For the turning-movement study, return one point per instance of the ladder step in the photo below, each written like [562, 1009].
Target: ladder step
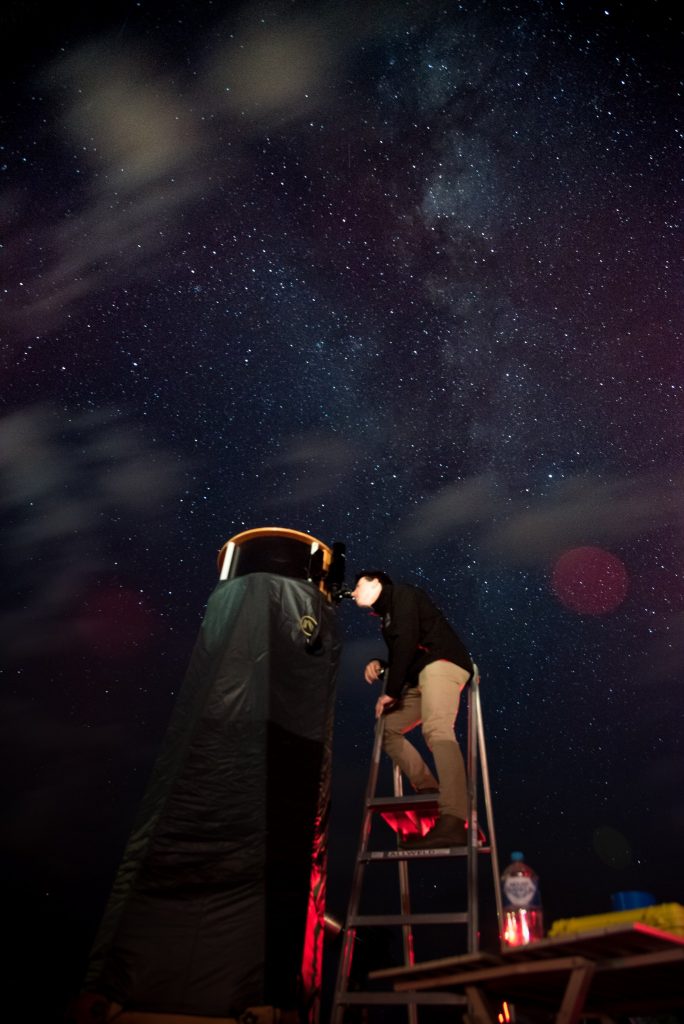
[401, 998]
[408, 854]
[444, 851]
[389, 919]
[393, 803]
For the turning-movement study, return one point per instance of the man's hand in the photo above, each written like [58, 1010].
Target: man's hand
[373, 671]
[383, 704]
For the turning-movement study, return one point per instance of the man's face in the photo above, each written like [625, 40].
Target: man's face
[366, 592]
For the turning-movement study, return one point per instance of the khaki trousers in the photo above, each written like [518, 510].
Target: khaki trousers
[434, 702]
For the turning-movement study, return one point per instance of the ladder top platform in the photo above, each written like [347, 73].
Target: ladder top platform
[413, 801]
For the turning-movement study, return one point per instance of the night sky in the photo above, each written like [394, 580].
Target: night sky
[405, 275]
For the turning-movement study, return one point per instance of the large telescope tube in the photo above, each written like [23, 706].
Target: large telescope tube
[218, 905]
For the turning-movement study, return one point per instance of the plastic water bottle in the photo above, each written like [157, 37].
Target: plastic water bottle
[522, 909]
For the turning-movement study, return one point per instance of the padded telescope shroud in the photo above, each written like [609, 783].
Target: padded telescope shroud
[218, 903]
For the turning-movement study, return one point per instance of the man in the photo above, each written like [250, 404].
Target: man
[427, 668]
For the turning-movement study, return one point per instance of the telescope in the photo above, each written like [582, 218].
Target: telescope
[218, 907]
[286, 552]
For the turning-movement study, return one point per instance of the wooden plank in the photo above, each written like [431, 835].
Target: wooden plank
[630, 963]
[480, 1009]
[575, 993]
[430, 967]
[528, 969]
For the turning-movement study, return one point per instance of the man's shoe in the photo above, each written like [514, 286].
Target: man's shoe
[449, 831]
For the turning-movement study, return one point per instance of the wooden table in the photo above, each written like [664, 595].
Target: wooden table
[611, 972]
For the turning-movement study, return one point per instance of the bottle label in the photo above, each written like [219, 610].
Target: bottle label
[520, 891]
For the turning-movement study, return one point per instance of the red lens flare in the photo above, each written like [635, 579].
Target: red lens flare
[590, 581]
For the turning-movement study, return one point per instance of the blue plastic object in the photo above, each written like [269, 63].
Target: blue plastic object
[631, 900]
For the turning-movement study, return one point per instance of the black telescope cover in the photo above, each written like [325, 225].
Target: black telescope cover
[218, 902]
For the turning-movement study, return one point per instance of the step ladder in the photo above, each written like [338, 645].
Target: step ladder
[407, 811]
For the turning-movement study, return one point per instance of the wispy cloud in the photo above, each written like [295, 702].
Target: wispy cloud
[532, 533]
[585, 511]
[459, 505]
[147, 143]
[63, 483]
[310, 465]
[140, 159]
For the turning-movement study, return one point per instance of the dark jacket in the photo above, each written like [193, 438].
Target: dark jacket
[416, 633]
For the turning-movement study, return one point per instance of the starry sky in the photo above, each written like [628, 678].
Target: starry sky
[404, 275]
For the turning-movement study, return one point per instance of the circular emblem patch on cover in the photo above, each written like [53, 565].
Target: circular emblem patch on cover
[308, 624]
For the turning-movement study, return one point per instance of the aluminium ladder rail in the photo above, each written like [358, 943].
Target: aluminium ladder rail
[477, 769]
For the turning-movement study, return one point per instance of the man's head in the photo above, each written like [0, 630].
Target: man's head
[368, 586]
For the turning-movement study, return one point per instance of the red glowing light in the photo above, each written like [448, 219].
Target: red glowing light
[312, 953]
[411, 821]
[590, 581]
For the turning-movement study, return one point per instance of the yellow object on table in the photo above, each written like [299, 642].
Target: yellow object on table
[668, 917]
